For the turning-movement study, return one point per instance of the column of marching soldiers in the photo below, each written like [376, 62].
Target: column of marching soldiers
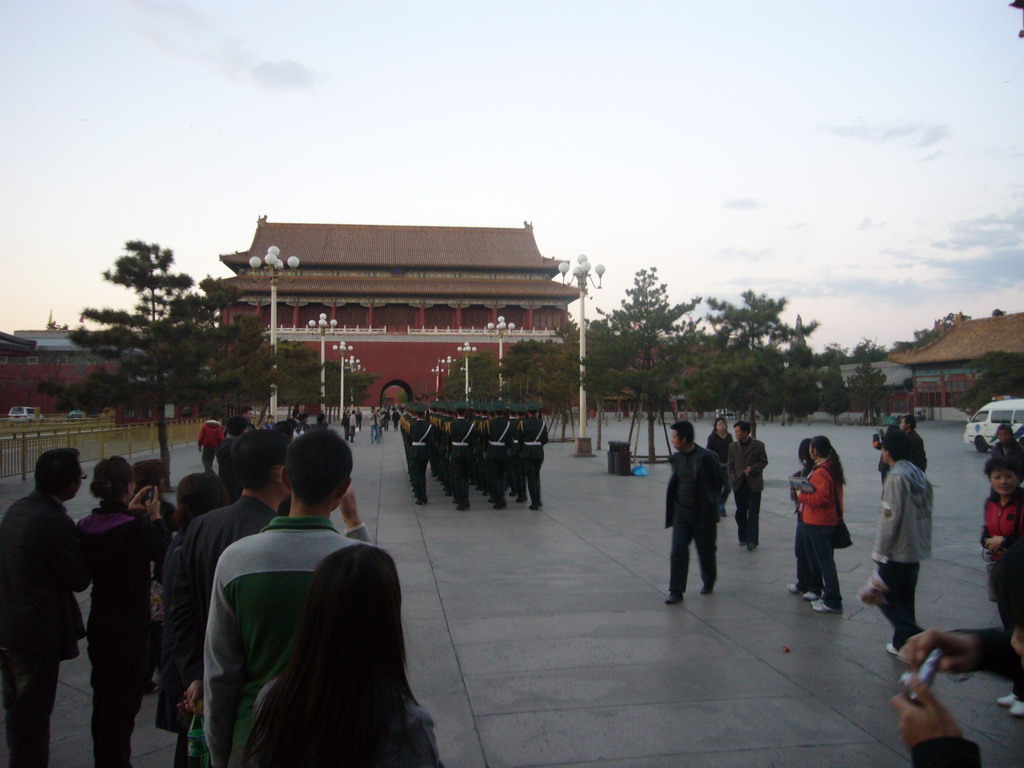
[497, 448]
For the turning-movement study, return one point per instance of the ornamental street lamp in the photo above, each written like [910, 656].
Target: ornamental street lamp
[501, 328]
[272, 266]
[465, 349]
[581, 274]
[320, 327]
[343, 348]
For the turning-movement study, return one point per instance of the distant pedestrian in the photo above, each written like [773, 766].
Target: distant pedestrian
[359, 419]
[746, 460]
[821, 510]
[211, 435]
[918, 457]
[691, 511]
[236, 427]
[808, 575]
[718, 443]
[1006, 446]
[376, 435]
[902, 540]
[41, 565]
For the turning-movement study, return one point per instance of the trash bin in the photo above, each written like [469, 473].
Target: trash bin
[624, 462]
[613, 457]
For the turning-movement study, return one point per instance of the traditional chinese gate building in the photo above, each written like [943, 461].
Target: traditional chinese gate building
[403, 296]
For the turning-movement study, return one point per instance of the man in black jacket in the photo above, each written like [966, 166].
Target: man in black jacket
[691, 510]
[918, 457]
[41, 566]
[258, 459]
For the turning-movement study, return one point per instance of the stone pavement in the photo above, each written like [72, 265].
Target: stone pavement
[541, 638]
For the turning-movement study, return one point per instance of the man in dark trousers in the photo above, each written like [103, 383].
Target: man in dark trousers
[462, 433]
[258, 458]
[918, 457]
[499, 439]
[746, 461]
[533, 434]
[691, 511]
[419, 451]
[41, 566]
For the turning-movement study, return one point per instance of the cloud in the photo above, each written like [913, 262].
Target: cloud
[913, 135]
[738, 255]
[995, 232]
[179, 31]
[742, 204]
[282, 75]
[868, 223]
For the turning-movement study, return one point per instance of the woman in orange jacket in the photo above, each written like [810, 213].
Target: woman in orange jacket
[820, 511]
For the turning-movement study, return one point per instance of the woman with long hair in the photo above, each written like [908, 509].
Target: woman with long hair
[808, 575]
[820, 511]
[197, 494]
[718, 444]
[122, 541]
[344, 698]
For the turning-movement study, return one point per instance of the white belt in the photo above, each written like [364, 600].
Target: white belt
[533, 443]
[461, 445]
[494, 443]
[419, 444]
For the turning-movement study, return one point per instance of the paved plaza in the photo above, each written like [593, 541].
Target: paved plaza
[541, 638]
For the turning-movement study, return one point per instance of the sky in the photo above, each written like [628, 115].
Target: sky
[864, 160]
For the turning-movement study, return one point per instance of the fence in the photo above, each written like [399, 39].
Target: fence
[19, 449]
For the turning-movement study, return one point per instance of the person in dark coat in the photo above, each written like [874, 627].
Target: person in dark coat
[691, 510]
[41, 567]
[236, 426]
[918, 457]
[198, 493]
[123, 540]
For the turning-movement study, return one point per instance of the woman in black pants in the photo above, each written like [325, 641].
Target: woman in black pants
[122, 539]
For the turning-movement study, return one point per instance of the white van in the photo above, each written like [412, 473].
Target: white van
[24, 413]
[980, 431]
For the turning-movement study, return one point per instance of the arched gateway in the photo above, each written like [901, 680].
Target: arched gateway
[403, 297]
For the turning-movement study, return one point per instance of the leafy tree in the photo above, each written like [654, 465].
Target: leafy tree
[867, 390]
[750, 341]
[297, 374]
[245, 365]
[997, 373]
[483, 376]
[639, 351]
[158, 352]
[869, 351]
[928, 335]
[798, 395]
[546, 371]
[835, 396]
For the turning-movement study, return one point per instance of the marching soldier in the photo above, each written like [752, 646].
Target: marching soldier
[462, 433]
[533, 435]
[516, 478]
[419, 451]
[499, 438]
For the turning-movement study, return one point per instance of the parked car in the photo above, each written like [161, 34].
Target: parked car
[76, 415]
[980, 431]
[24, 413]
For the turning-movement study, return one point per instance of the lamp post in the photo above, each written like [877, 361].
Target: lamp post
[272, 265]
[343, 348]
[501, 328]
[465, 349]
[320, 327]
[581, 274]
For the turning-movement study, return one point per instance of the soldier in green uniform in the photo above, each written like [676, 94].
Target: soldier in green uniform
[499, 438]
[533, 435]
[516, 478]
[419, 451]
[462, 433]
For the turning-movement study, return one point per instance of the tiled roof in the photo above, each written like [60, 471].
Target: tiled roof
[377, 246]
[12, 345]
[969, 340]
[407, 288]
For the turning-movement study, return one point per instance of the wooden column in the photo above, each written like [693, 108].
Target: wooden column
[458, 316]
[529, 318]
[369, 316]
[421, 316]
[295, 315]
[334, 310]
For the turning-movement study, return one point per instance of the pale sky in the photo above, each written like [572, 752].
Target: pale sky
[864, 159]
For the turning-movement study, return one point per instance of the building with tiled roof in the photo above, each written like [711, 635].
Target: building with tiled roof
[942, 369]
[404, 293]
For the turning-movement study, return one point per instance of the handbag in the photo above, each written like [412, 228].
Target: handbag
[841, 538]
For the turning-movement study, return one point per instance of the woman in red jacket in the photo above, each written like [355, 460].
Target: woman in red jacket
[1002, 529]
[819, 511]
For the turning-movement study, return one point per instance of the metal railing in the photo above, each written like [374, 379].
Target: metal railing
[20, 449]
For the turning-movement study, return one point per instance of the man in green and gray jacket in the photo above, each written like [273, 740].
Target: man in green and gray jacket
[260, 585]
